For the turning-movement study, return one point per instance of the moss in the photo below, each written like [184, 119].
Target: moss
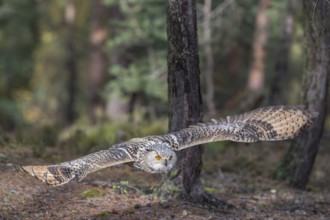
[130, 211]
[312, 188]
[103, 215]
[210, 189]
[92, 193]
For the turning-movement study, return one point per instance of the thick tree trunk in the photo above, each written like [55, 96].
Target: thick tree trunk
[299, 160]
[70, 14]
[184, 85]
[98, 59]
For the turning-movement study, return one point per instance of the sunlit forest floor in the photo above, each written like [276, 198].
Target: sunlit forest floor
[240, 174]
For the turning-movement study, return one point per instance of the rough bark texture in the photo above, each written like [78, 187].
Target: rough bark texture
[184, 85]
[71, 66]
[299, 161]
[98, 58]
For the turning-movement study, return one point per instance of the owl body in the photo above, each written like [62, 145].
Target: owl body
[157, 158]
[156, 154]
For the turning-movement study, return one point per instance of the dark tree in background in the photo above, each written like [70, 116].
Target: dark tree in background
[277, 88]
[98, 58]
[298, 162]
[70, 61]
[209, 61]
[255, 85]
[256, 76]
[184, 86]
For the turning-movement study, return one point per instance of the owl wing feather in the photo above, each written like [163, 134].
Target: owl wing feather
[77, 169]
[263, 124]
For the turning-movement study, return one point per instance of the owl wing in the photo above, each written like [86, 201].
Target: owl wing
[263, 124]
[270, 124]
[77, 169]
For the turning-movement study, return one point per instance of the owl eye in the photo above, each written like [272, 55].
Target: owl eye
[157, 157]
[170, 158]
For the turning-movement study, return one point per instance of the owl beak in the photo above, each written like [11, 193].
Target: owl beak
[165, 162]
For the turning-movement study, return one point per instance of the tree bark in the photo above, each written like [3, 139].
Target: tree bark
[70, 15]
[256, 73]
[98, 59]
[184, 95]
[299, 160]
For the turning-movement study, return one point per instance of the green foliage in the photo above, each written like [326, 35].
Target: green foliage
[33, 75]
[10, 112]
[121, 187]
[139, 40]
[18, 39]
[83, 138]
[46, 135]
[49, 81]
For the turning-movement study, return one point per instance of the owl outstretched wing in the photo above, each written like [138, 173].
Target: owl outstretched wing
[263, 124]
[77, 169]
[268, 124]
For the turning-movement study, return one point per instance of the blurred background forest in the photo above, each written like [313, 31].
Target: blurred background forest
[77, 76]
[89, 73]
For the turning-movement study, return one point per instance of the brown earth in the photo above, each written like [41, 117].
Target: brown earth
[240, 174]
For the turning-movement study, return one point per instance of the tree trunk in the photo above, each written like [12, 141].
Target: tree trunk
[256, 73]
[299, 160]
[282, 59]
[98, 59]
[70, 15]
[184, 95]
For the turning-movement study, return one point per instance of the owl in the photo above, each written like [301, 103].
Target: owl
[157, 154]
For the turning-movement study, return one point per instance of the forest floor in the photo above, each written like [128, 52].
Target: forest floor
[240, 174]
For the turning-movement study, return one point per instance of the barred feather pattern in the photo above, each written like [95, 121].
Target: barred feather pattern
[264, 124]
[79, 168]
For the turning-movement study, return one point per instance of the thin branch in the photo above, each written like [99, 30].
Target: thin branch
[220, 8]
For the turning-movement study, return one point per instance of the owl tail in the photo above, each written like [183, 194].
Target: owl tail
[54, 175]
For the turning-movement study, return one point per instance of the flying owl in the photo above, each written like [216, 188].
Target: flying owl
[156, 154]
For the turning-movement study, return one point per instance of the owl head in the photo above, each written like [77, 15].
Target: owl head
[157, 158]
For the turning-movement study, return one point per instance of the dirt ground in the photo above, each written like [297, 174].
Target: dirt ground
[240, 174]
